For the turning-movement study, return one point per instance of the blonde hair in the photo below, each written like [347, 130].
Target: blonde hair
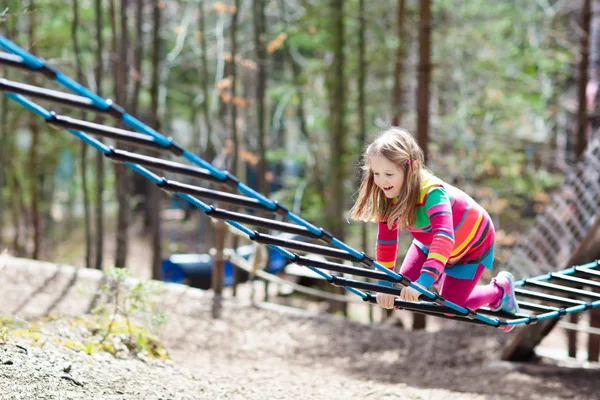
[400, 147]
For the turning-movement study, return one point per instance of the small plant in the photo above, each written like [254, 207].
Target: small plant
[127, 313]
[4, 334]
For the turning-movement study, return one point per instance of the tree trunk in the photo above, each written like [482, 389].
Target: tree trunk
[337, 109]
[5, 144]
[138, 53]
[397, 97]
[234, 85]
[337, 106]
[317, 171]
[261, 87]
[119, 65]
[582, 117]
[234, 119]
[362, 103]
[18, 213]
[424, 73]
[582, 139]
[230, 165]
[154, 191]
[99, 194]
[210, 150]
[362, 115]
[34, 156]
[3, 156]
[87, 226]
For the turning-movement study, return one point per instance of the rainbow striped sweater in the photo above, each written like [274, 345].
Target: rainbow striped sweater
[454, 232]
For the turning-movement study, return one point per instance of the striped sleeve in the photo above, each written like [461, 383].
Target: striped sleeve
[439, 210]
[386, 247]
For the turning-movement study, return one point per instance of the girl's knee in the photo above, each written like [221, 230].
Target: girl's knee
[455, 297]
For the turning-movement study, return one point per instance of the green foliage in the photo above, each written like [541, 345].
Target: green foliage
[499, 71]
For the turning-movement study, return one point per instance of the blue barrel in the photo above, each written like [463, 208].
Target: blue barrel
[195, 270]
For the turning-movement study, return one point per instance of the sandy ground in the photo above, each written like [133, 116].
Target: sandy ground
[263, 352]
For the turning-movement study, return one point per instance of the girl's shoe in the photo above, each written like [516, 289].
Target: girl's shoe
[508, 302]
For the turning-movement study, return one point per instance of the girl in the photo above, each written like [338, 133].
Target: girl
[453, 236]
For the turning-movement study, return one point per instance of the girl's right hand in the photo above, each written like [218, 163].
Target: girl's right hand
[386, 300]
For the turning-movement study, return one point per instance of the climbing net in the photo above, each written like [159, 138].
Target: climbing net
[276, 217]
[564, 222]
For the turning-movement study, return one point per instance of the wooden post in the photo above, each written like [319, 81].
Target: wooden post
[218, 273]
[594, 340]
[572, 337]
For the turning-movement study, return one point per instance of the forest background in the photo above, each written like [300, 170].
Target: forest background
[500, 95]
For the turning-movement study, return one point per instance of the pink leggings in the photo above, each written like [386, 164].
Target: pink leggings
[463, 292]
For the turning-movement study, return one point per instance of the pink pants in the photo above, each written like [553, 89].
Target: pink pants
[463, 292]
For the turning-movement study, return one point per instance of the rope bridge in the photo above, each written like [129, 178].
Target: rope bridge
[537, 295]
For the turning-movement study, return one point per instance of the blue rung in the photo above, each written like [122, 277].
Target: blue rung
[98, 101]
[143, 128]
[91, 141]
[30, 105]
[27, 58]
[205, 164]
[147, 173]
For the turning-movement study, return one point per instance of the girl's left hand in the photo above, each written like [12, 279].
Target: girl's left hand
[410, 294]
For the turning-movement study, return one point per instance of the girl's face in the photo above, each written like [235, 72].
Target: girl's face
[387, 175]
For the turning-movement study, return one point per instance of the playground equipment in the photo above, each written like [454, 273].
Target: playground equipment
[544, 297]
[196, 269]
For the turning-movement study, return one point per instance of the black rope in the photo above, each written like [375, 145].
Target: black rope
[13, 60]
[306, 247]
[158, 163]
[575, 280]
[47, 94]
[262, 222]
[432, 310]
[562, 289]
[587, 271]
[230, 198]
[548, 297]
[117, 134]
[357, 271]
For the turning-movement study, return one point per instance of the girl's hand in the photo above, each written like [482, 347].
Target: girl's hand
[386, 300]
[409, 294]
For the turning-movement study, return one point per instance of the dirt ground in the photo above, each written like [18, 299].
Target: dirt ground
[262, 352]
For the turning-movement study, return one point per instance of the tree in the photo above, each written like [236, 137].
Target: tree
[337, 109]
[424, 75]
[261, 86]
[336, 86]
[153, 191]
[210, 150]
[397, 97]
[34, 156]
[317, 169]
[122, 178]
[99, 167]
[423, 98]
[582, 118]
[87, 224]
[138, 55]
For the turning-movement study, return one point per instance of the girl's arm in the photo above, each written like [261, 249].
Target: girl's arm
[386, 247]
[439, 210]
